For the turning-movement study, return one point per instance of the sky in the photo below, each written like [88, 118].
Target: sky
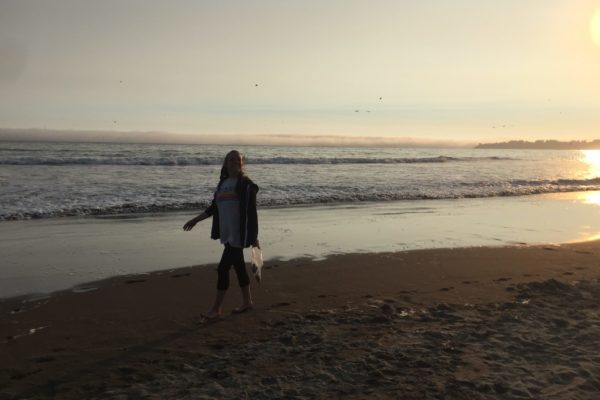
[430, 70]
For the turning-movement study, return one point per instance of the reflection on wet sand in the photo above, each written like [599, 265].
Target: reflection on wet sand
[589, 197]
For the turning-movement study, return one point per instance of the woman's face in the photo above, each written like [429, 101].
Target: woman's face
[234, 164]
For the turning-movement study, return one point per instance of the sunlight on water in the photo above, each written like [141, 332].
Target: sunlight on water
[592, 159]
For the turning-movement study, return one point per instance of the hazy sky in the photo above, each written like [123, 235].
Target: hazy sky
[480, 70]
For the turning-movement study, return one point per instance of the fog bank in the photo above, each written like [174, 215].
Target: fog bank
[181, 138]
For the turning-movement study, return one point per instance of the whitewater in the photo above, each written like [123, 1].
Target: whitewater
[44, 180]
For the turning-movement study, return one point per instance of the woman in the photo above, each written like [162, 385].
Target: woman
[235, 222]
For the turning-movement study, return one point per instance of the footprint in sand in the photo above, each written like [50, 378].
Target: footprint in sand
[560, 323]
[550, 248]
[322, 296]
[502, 279]
[218, 375]
[446, 289]
[282, 304]
[126, 370]
[131, 281]
[217, 346]
[20, 375]
[43, 359]
[181, 275]
[568, 273]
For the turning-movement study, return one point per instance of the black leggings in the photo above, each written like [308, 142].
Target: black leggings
[232, 256]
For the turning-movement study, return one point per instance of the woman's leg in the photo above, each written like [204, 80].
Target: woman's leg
[247, 303]
[216, 310]
[227, 260]
[244, 281]
[222, 282]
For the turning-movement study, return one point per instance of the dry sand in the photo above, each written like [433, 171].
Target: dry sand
[474, 323]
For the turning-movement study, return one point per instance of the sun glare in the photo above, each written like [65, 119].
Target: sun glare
[592, 159]
[595, 27]
[590, 198]
[594, 199]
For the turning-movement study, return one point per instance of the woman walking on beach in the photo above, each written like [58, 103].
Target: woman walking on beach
[235, 223]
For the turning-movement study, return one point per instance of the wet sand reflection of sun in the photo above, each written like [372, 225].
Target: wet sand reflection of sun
[590, 197]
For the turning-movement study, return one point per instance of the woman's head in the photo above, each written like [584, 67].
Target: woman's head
[233, 165]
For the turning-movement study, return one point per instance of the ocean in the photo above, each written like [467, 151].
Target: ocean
[46, 180]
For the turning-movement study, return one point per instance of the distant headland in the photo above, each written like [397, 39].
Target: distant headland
[543, 144]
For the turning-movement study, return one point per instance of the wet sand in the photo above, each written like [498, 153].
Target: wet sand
[41, 256]
[471, 323]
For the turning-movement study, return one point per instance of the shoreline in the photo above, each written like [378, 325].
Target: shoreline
[44, 256]
[269, 264]
[512, 321]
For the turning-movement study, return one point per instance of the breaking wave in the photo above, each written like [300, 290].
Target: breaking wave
[267, 199]
[185, 161]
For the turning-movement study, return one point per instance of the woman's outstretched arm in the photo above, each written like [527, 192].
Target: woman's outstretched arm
[192, 222]
[207, 213]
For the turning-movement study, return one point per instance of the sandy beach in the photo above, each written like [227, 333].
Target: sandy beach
[517, 322]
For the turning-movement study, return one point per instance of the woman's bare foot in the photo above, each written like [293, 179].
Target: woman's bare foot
[243, 308]
[213, 314]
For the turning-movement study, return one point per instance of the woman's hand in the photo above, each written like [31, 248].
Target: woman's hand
[190, 224]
